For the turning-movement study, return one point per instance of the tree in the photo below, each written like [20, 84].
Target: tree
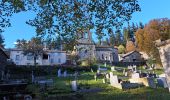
[20, 43]
[121, 49]
[118, 38]
[34, 48]
[2, 40]
[130, 46]
[70, 18]
[154, 30]
[67, 18]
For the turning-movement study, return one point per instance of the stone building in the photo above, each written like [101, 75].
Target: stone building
[164, 51]
[86, 49]
[133, 56]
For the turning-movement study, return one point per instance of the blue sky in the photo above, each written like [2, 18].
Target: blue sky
[151, 9]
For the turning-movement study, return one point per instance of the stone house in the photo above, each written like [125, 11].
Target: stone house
[133, 56]
[49, 57]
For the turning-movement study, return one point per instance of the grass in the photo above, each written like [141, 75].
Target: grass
[62, 90]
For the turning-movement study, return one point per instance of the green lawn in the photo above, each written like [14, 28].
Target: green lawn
[62, 90]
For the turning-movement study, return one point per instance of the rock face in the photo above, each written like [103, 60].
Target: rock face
[164, 51]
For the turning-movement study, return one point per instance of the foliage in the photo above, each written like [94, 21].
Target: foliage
[130, 46]
[154, 30]
[20, 43]
[121, 49]
[34, 48]
[2, 40]
[67, 18]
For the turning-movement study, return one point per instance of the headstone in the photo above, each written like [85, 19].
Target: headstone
[112, 68]
[95, 77]
[134, 67]
[104, 80]
[113, 79]
[59, 73]
[105, 65]
[135, 75]
[107, 76]
[151, 83]
[92, 70]
[65, 73]
[126, 73]
[74, 85]
[162, 82]
[124, 70]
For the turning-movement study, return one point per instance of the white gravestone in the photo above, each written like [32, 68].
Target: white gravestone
[113, 68]
[74, 85]
[113, 79]
[59, 73]
[135, 75]
[65, 73]
[107, 76]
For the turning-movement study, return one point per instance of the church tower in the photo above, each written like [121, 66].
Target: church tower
[85, 46]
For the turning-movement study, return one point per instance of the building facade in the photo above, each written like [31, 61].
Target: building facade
[133, 56]
[87, 49]
[49, 57]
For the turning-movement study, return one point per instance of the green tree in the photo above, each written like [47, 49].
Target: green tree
[121, 49]
[154, 30]
[34, 48]
[2, 40]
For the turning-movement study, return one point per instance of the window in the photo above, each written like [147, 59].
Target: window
[17, 57]
[52, 61]
[59, 60]
[45, 56]
[29, 57]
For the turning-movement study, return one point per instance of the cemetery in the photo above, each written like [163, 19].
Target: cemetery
[109, 82]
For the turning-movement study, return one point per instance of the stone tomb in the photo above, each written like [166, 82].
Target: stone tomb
[114, 81]
[162, 82]
[146, 81]
[135, 75]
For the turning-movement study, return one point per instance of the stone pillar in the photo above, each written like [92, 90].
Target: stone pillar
[164, 52]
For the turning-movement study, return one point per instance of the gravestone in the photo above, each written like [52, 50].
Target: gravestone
[59, 73]
[162, 82]
[65, 73]
[124, 70]
[104, 80]
[126, 73]
[134, 68]
[113, 68]
[95, 77]
[135, 75]
[74, 85]
[151, 83]
[113, 79]
[107, 76]
[105, 65]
